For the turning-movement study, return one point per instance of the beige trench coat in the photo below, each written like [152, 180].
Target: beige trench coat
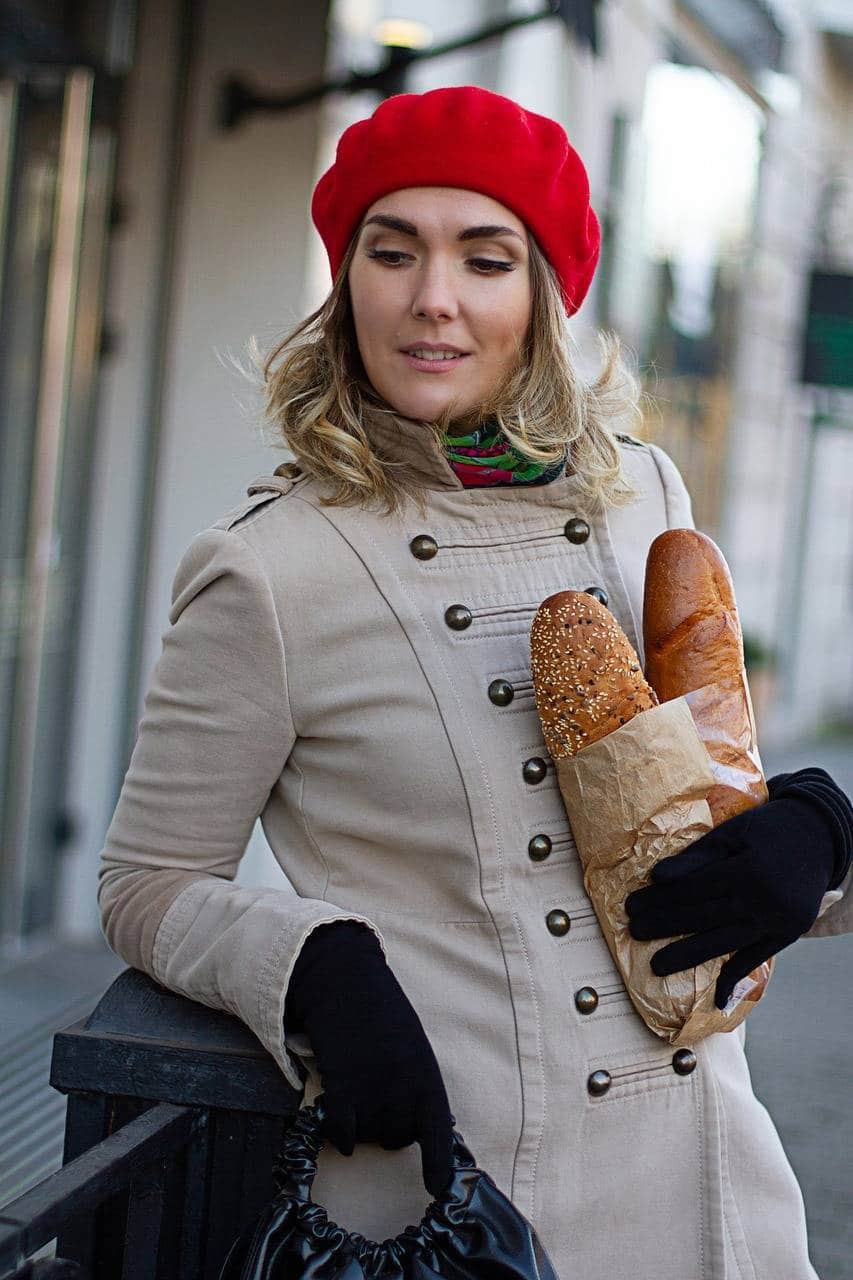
[309, 676]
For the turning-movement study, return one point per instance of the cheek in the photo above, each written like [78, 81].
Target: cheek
[509, 323]
[509, 336]
[373, 316]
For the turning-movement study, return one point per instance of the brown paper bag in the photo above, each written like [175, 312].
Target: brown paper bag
[634, 797]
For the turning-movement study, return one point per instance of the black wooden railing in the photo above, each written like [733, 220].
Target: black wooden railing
[175, 1115]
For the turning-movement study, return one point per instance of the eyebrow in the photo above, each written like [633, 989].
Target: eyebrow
[470, 233]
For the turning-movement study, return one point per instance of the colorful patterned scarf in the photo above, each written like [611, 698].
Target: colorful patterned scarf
[486, 457]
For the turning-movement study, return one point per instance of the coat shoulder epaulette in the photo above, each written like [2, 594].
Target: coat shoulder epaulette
[263, 491]
[626, 439]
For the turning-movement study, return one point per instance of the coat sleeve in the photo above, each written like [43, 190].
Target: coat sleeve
[679, 509]
[836, 908]
[214, 737]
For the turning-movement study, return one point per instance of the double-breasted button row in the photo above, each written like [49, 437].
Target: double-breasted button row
[501, 693]
[558, 922]
[534, 770]
[424, 545]
[599, 1082]
[538, 847]
[458, 617]
[586, 1000]
[683, 1063]
[576, 530]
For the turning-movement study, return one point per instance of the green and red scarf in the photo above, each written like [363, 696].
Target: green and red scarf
[486, 457]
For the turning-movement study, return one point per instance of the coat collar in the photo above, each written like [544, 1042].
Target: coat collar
[404, 440]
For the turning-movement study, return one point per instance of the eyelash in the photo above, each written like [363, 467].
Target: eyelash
[385, 254]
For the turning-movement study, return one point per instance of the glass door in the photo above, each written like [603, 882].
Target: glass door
[55, 188]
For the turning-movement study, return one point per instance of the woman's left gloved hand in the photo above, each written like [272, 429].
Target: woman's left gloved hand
[752, 885]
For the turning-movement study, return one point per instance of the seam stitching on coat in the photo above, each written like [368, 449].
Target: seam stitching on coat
[698, 1105]
[519, 931]
[727, 1180]
[306, 824]
[278, 627]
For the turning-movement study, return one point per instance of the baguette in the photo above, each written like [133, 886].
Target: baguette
[693, 640]
[691, 629]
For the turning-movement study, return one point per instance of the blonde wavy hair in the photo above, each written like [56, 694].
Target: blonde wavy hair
[319, 401]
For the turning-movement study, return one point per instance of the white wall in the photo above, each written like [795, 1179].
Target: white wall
[239, 270]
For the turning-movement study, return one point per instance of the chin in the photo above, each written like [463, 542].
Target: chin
[418, 405]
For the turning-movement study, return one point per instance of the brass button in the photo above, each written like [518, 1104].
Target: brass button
[598, 1083]
[291, 470]
[586, 1000]
[501, 693]
[576, 530]
[599, 593]
[423, 547]
[534, 770]
[539, 848]
[458, 617]
[558, 922]
[683, 1062]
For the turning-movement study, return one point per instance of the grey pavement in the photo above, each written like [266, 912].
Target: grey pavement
[50, 988]
[799, 1043]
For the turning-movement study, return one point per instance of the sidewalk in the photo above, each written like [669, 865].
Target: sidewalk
[799, 1043]
[38, 995]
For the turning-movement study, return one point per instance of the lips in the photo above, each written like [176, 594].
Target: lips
[434, 366]
[434, 348]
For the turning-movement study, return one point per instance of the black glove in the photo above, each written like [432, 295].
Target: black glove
[380, 1076]
[752, 885]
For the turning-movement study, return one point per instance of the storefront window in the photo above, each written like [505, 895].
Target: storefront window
[688, 176]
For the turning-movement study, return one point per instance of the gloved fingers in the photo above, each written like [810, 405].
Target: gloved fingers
[705, 884]
[434, 1129]
[686, 953]
[743, 962]
[711, 849]
[397, 1128]
[661, 919]
[339, 1126]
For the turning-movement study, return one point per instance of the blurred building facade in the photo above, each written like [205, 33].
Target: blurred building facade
[144, 239]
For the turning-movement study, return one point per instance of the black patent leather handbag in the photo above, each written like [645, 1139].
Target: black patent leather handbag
[471, 1232]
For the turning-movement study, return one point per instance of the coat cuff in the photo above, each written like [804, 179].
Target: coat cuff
[234, 949]
[836, 911]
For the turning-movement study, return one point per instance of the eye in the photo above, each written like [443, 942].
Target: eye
[387, 254]
[483, 266]
[490, 264]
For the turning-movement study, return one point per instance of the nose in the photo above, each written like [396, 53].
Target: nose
[434, 292]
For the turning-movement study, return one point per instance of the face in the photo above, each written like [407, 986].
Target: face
[439, 268]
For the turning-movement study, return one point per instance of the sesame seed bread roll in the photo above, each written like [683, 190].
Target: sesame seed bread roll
[586, 675]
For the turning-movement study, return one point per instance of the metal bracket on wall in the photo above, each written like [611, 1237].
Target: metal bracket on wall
[237, 99]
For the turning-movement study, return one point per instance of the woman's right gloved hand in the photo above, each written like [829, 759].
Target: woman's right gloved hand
[381, 1080]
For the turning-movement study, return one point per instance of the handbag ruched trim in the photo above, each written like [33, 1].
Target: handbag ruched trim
[471, 1231]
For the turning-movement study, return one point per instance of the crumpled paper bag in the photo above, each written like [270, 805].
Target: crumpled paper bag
[634, 797]
[723, 715]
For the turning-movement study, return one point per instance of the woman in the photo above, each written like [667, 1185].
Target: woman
[348, 659]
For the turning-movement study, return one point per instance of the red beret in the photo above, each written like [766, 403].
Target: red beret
[465, 136]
